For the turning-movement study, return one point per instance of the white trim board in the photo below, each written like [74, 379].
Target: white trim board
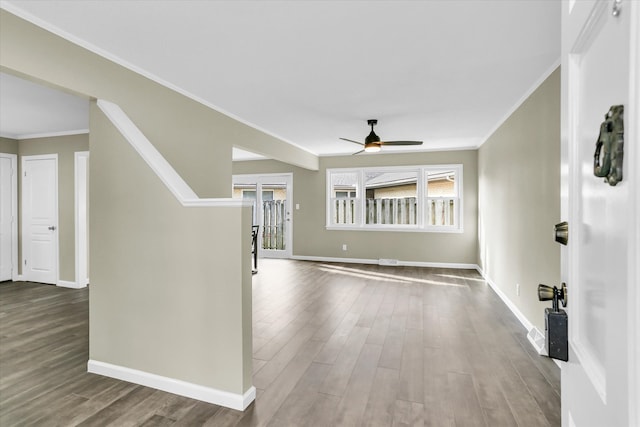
[13, 158]
[50, 134]
[71, 285]
[634, 250]
[81, 204]
[235, 401]
[167, 174]
[387, 262]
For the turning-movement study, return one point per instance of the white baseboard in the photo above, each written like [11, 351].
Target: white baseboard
[332, 259]
[387, 262]
[72, 285]
[194, 391]
[535, 337]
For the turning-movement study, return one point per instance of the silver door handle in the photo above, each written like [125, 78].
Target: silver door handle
[561, 232]
[52, 227]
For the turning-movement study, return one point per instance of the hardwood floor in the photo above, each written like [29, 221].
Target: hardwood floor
[334, 344]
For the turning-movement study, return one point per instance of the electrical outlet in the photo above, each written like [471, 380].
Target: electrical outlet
[344, 247]
[518, 289]
[297, 206]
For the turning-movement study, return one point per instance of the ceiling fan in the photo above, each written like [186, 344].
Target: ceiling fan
[372, 143]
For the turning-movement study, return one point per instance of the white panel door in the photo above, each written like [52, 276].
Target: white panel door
[40, 218]
[596, 71]
[7, 216]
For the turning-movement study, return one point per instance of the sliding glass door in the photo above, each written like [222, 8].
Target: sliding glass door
[271, 196]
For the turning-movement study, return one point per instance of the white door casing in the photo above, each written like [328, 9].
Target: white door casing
[39, 176]
[262, 182]
[81, 163]
[8, 217]
[599, 70]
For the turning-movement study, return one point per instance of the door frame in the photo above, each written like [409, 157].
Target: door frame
[634, 245]
[257, 178]
[25, 234]
[14, 214]
[81, 203]
[632, 176]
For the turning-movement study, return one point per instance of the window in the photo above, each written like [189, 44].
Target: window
[251, 194]
[390, 197]
[442, 197]
[407, 198]
[343, 194]
[343, 197]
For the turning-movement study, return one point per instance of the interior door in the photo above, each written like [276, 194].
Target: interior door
[272, 195]
[596, 73]
[40, 218]
[8, 237]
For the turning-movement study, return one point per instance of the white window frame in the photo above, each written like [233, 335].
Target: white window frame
[457, 224]
[421, 197]
[357, 198]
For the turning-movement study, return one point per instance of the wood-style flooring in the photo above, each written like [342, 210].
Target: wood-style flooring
[333, 344]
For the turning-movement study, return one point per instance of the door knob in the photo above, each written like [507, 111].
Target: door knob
[561, 232]
[556, 330]
[546, 293]
[52, 227]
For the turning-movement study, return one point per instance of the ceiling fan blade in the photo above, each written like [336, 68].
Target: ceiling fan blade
[361, 151]
[401, 143]
[351, 140]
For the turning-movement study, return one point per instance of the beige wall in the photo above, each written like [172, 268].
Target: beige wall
[519, 203]
[170, 286]
[8, 146]
[162, 300]
[195, 139]
[64, 147]
[311, 238]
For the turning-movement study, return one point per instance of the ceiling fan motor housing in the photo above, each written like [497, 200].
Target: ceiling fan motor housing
[372, 138]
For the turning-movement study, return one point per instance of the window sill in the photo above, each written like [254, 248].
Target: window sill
[399, 229]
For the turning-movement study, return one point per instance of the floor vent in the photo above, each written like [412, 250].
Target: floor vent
[383, 261]
[538, 340]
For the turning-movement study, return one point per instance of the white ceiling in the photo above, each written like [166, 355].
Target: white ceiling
[30, 110]
[444, 71]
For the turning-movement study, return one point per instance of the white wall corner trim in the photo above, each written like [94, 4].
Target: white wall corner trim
[68, 284]
[13, 195]
[387, 262]
[235, 401]
[52, 134]
[167, 174]
[535, 337]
